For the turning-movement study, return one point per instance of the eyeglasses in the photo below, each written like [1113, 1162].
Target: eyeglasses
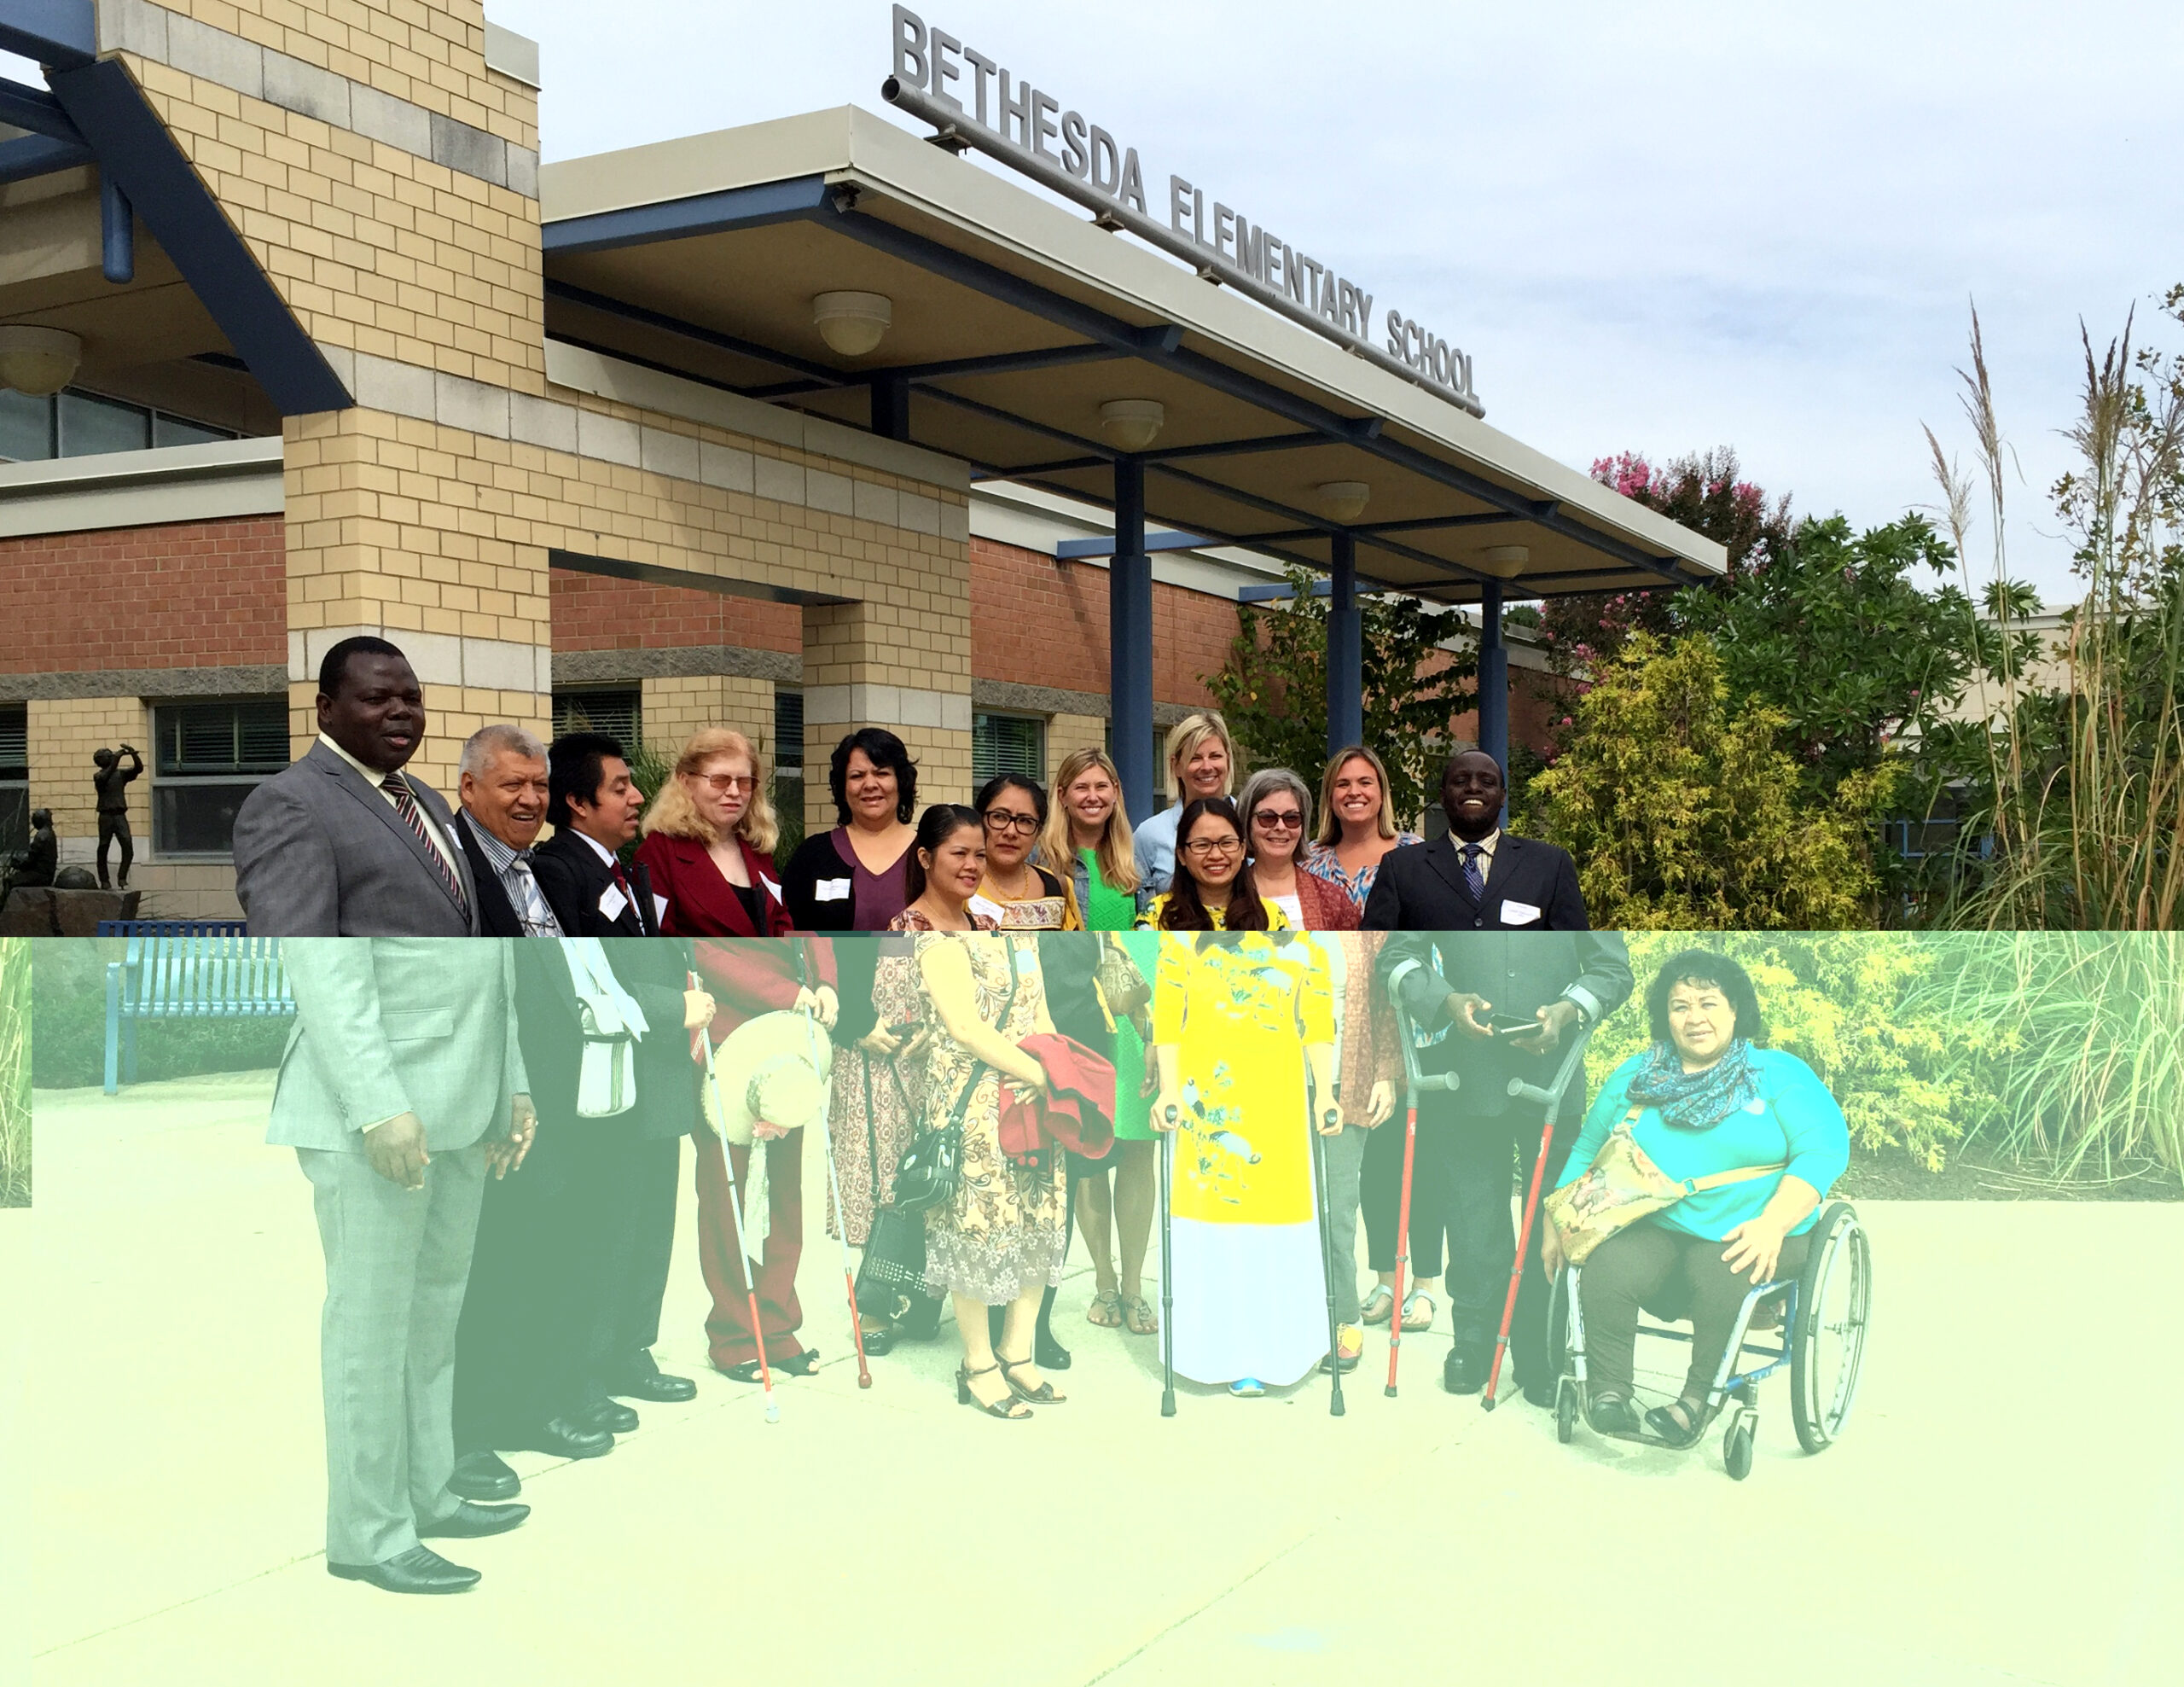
[724, 783]
[1288, 821]
[998, 820]
[1200, 848]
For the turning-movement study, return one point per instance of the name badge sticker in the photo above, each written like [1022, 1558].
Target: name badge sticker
[611, 902]
[1519, 913]
[832, 890]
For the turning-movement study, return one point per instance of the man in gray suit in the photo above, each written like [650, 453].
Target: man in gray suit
[343, 843]
[402, 1086]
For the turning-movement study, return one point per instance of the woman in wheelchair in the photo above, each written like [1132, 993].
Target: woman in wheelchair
[1706, 1098]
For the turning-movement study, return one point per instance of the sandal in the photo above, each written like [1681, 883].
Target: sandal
[1138, 1316]
[1349, 1348]
[1679, 1423]
[1044, 1394]
[1248, 1389]
[1412, 1298]
[1013, 1409]
[1380, 1305]
[1105, 1310]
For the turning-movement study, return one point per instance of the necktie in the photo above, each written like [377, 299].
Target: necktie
[537, 917]
[405, 804]
[623, 885]
[1474, 881]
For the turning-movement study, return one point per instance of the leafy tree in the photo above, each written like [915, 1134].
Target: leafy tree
[1706, 493]
[1684, 809]
[1273, 689]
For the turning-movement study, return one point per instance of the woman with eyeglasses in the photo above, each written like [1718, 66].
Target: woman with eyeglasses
[1016, 892]
[1243, 1011]
[1277, 809]
[705, 849]
[708, 839]
[1213, 888]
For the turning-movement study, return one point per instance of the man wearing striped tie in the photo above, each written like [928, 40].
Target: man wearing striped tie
[343, 843]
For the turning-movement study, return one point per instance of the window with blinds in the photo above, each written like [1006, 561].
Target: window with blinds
[788, 768]
[207, 756]
[619, 714]
[14, 777]
[1008, 743]
[76, 423]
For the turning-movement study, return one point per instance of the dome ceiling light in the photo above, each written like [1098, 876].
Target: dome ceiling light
[1344, 500]
[1131, 424]
[38, 361]
[851, 323]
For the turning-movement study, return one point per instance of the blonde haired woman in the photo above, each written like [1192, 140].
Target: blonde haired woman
[1358, 824]
[708, 842]
[1088, 826]
[1201, 762]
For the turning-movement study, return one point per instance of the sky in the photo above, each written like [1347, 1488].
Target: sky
[1655, 227]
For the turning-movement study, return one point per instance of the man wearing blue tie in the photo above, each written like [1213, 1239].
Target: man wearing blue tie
[1497, 964]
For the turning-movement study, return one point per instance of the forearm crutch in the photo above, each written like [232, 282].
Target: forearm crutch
[1327, 1240]
[1550, 1098]
[1412, 1082]
[841, 1216]
[735, 1210]
[1167, 1149]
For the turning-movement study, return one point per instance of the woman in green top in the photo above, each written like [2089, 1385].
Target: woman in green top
[1088, 828]
[1705, 1099]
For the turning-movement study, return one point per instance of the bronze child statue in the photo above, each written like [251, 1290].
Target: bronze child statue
[111, 781]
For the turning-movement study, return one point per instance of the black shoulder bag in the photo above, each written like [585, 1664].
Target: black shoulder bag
[931, 1167]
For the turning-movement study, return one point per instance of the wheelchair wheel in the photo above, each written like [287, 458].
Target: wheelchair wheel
[1736, 1444]
[1565, 1409]
[1827, 1345]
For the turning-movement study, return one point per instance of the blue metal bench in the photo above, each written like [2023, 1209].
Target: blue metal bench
[187, 969]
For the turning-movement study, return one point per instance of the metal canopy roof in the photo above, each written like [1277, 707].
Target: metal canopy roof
[1015, 319]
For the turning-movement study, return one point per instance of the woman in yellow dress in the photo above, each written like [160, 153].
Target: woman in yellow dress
[1242, 1017]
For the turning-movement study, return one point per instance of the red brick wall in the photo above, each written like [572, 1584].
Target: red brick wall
[595, 612]
[1040, 622]
[183, 595]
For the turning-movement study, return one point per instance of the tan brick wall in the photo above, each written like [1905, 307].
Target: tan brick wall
[63, 733]
[1066, 734]
[678, 705]
[185, 890]
[373, 247]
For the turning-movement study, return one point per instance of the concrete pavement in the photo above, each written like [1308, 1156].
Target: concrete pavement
[2005, 1506]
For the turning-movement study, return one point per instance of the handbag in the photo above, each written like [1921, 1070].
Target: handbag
[1622, 1186]
[931, 1169]
[892, 1270]
[1121, 985]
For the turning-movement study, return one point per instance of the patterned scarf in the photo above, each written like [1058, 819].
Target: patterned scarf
[1696, 1100]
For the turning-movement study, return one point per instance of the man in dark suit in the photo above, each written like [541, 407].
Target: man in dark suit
[594, 806]
[1495, 957]
[343, 843]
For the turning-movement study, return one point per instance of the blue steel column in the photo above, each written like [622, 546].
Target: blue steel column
[1129, 640]
[1493, 678]
[1346, 649]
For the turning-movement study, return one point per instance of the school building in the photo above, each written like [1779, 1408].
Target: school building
[792, 426]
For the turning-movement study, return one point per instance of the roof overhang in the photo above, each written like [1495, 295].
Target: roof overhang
[1015, 319]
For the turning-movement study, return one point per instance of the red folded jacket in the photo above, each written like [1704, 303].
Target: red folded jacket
[1075, 1110]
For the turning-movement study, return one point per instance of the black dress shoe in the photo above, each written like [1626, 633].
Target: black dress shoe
[658, 1386]
[484, 1475]
[564, 1438]
[1463, 1372]
[471, 1521]
[1050, 1353]
[1539, 1394]
[419, 1570]
[609, 1414]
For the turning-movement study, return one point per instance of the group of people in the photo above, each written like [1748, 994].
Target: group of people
[493, 1131]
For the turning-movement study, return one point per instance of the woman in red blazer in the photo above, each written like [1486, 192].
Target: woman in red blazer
[708, 839]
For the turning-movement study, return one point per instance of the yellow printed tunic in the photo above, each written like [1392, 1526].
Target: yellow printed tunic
[1249, 1291]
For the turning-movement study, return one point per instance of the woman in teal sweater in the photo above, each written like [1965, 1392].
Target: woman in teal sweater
[1705, 1097]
